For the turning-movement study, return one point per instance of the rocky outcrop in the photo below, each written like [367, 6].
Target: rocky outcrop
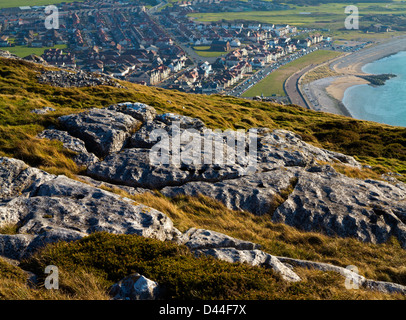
[183, 121]
[49, 208]
[8, 55]
[257, 193]
[71, 78]
[36, 59]
[226, 248]
[137, 110]
[254, 258]
[136, 166]
[103, 131]
[291, 180]
[109, 186]
[73, 205]
[15, 246]
[16, 177]
[133, 167]
[207, 239]
[353, 278]
[287, 149]
[331, 203]
[144, 137]
[20, 246]
[318, 199]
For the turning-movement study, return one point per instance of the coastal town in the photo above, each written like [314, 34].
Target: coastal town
[159, 45]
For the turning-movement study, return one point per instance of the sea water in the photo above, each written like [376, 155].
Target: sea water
[383, 104]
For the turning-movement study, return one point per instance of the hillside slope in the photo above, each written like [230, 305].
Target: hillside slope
[362, 162]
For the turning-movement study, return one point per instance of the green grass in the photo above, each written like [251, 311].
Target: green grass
[319, 14]
[11, 272]
[183, 276]
[9, 229]
[23, 51]
[21, 3]
[204, 51]
[274, 83]
[330, 15]
[320, 72]
[79, 285]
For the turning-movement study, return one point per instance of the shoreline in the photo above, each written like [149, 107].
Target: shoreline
[328, 95]
[319, 99]
[354, 62]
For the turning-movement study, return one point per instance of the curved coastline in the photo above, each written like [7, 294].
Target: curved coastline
[327, 94]
[377, 102]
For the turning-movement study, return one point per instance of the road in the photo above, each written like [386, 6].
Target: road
[158, 7]
[254, 79]
[292, 89]
[264, 72]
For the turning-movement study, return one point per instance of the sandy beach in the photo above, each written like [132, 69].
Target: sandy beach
[337, 88]
[353, 63]
[327, 94]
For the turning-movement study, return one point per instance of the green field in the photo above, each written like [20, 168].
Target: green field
[23, 51]
[21, 3]
[204, 51]
[273, 84]
[329, 16]
[321, 14]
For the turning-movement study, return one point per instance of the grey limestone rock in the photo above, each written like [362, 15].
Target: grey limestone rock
[17, 178]
[55, 207]
[252, 257]
[74, 78]
[70, 204]
[224, 247]
[101, 184]
[184, 122]
[36, 59]
[8, 55]
[145, 138]
[353, 277]
[291, 150]
[254, 193]
[206, 239]
[15, 246]
[135, 167]
[135, 287]
[20, 246]
[44, 110]
[103, 131]
[137, 110]
[83, 157]
[371, 211]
